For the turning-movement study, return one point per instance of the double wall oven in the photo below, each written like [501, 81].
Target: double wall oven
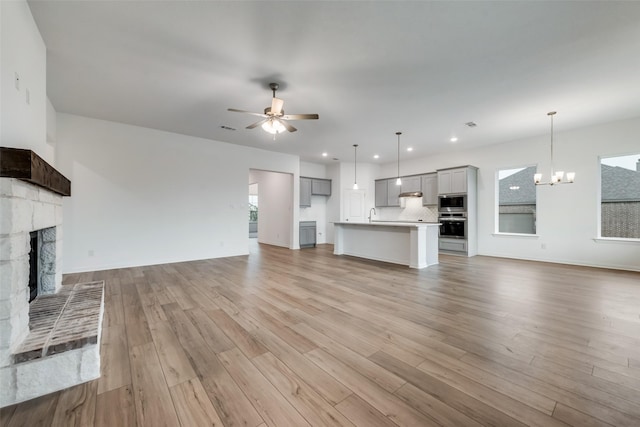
[452, 211]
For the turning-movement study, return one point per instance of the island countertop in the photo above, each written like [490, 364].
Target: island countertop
[390, 223]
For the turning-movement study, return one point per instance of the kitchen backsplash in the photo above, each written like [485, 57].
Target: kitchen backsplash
[413, 211]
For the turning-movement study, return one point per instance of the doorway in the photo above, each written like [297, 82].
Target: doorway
[253, 211]
[274, 200]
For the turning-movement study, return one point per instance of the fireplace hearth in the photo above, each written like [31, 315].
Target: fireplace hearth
[49, 334]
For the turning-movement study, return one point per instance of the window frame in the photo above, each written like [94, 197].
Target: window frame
[496, 181]
[599, 237]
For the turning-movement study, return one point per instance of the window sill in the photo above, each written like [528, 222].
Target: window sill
[617, 240]
[533, 236]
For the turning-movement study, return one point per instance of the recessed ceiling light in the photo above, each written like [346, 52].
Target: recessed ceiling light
[325, 154]
[376, 156]
[409, 148]
[453, 139]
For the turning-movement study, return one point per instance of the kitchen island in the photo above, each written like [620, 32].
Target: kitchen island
[408, 243]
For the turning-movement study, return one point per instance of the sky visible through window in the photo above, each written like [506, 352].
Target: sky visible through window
[503, 173]
[627, 162]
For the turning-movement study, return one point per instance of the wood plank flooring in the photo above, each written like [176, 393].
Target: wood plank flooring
[297, 338]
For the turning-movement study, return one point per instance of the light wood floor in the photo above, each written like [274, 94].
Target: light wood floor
[297, 338]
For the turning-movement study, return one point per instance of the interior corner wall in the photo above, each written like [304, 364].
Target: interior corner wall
[567, 214]
[142, 196]
[275, 212]
[23, 105]
[335, 201]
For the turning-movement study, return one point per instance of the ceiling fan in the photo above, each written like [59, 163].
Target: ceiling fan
[274, 120]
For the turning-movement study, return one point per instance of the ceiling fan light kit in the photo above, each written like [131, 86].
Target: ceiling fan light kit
[556, 177]
[274, 121]
[273, 126]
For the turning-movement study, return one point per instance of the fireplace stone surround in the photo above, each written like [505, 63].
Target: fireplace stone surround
[29, 366]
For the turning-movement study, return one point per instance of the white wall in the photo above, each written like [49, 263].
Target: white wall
[23, 124]
[275, 201]
[367, 173]
[334, 202]
[51, 123]
[313, 170]
[142, 196]
[342, 178]
[567, 214]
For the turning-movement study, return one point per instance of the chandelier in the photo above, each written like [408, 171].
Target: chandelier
[556, 177]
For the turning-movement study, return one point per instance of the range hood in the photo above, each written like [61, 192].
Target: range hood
[411, 194]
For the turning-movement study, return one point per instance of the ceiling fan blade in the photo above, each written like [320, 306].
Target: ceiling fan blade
[300, 116]
[288, 126]
[276, 105]
[256, 124]
[235, 110]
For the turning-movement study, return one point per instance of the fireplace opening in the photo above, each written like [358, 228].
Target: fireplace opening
[33, 266]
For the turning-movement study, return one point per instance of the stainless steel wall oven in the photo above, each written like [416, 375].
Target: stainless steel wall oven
[453, 225]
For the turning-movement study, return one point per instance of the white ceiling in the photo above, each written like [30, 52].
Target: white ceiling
[368, 69]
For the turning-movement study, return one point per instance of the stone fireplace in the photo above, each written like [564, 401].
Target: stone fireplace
[40, 354]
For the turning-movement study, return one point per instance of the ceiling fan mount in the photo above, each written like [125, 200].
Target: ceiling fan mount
[274, 120]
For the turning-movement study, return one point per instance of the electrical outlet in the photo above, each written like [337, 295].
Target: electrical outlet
[543, 246]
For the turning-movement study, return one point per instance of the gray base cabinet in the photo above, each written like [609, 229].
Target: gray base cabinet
[307, 234]
[453, 245]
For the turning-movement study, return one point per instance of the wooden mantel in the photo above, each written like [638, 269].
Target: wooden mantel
[28, 166]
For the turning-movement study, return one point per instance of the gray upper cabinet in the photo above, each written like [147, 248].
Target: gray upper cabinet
[411, 184]
[429, 189]
[393, 191]
[320, 187]
[381, 193]
[305, 192]
[387, 192]
[313, 187]
[452, 181]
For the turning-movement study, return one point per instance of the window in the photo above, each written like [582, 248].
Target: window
[620, 196]
[517, 200]
[253, 207]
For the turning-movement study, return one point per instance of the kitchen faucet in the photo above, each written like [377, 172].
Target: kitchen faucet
[374, 211]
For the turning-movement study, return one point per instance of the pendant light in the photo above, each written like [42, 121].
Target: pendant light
[355, 160]
[558, 176]
[398, 181]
